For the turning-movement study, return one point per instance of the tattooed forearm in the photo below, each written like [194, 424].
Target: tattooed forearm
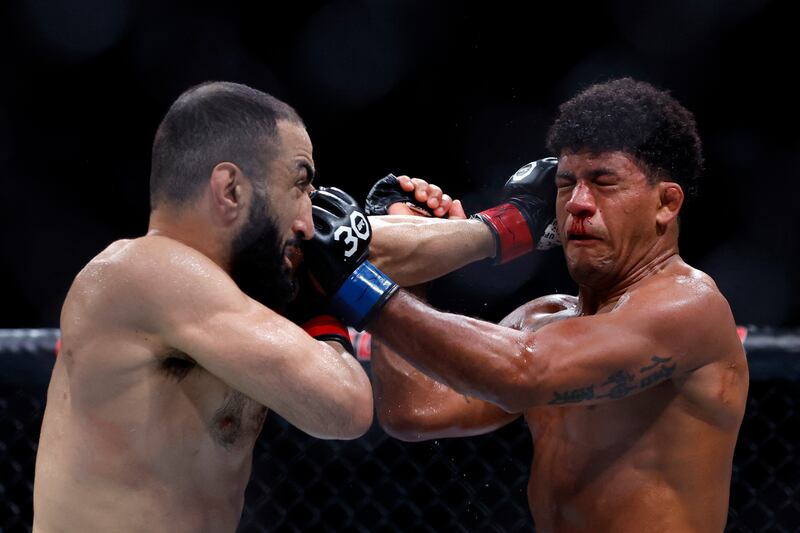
[620, 384]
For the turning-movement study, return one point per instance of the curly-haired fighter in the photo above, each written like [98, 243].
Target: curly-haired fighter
[635, 390]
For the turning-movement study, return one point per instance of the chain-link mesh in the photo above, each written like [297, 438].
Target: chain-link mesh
[377, 483]
[765, 494]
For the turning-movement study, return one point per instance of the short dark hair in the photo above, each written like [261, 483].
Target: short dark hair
[208, 124]
[636, 118]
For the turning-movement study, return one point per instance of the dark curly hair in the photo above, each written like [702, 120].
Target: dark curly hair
[638, 119]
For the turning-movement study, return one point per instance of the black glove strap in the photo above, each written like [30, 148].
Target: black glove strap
[387, 191]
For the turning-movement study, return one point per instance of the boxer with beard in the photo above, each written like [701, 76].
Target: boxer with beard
[259, 265]
[172, 349]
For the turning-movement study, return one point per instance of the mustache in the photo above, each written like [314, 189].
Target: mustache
[293, 252]
[294, 242]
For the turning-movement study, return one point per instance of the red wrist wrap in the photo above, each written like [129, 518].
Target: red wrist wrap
[511, 231]
[325, 325]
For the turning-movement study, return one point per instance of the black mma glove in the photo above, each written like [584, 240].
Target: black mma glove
[387, 191]
[311, 311]
[527, 220]
[337, 258]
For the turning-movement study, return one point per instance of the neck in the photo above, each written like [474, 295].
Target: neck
[190, 228]
[591, 299]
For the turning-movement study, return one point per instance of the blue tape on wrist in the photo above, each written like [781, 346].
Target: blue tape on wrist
[362, 294]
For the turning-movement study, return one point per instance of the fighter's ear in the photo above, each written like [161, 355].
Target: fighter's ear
[226, 186]
[670, 200]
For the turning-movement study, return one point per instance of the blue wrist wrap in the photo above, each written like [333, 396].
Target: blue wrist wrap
[362, 294]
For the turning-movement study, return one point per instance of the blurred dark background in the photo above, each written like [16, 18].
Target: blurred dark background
[459, 93]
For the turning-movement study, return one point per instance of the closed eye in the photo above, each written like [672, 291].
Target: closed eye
[605, 182]
[562, 182]
[604, 177]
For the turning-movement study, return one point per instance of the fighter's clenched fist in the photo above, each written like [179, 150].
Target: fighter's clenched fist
[337, 257]
[401, 195]
[527, 220]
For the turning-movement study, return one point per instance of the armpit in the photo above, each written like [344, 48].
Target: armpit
[177, 365]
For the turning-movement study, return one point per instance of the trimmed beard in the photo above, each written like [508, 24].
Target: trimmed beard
[257, 263]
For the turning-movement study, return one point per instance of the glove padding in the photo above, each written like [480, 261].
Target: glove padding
[527, 220]
[341, 238]
[387, 191]
[337, 258]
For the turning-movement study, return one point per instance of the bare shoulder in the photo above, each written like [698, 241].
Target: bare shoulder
[541, 311]
[683, 292]
[152, 252]
[153, 259]
[98, 279]
[134, 278]
[683, 307]
[716, 381]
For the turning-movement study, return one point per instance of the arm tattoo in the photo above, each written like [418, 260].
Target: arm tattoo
[656, 361]
[620, 384]
[573, 396]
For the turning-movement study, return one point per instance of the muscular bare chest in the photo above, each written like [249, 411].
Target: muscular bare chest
[231, 419]
[238, 420]
[582, 451]
[604, 425]
[637, 457]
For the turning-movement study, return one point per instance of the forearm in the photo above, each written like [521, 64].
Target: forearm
[473, 357]
[413, 250]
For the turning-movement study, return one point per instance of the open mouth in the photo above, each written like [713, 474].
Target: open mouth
[292, 256]
[581, 237]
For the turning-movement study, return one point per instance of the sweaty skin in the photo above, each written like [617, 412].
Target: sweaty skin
[633, 392]
[167, 370]
[412, 249]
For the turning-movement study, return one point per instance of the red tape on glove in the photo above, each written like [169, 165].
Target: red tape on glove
[511, 230]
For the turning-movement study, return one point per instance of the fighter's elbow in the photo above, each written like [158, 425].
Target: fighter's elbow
[402, 424]
[403, 432]
[358, 418]
[357, 427]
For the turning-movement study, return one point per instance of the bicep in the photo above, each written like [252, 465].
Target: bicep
[249, 347]
[261, 354]
[604, 357]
